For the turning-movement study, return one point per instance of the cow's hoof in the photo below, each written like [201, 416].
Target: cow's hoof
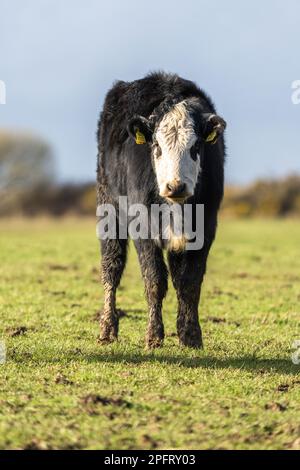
[155, 336]
[191, 341]
[108, 331]
[154, 342]
[106, 339]
[191, 344]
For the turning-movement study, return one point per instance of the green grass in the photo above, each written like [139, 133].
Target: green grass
[241, 392]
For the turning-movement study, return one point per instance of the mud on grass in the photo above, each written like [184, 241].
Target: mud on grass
[60, 389]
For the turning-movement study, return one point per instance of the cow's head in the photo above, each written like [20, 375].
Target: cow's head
[177, 140]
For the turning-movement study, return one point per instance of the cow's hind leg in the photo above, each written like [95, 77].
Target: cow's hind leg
[155, 276]
[112, 264]
[187, 270]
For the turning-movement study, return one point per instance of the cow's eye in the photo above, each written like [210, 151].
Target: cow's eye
[157, 151]
[195, 152]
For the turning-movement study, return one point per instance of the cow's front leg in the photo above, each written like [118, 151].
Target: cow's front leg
[187, 271]
[155, 276]
[109, 321]
[113, 263]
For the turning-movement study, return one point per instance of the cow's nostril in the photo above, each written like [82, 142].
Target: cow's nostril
[176, 189]
[180, 189]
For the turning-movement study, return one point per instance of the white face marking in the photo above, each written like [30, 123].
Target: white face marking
[175, 136]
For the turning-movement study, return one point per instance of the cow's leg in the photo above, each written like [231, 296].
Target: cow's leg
[155, 276]
[113, 262]
[187, 270]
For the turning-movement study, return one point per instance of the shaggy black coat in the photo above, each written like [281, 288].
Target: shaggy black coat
[125, 169]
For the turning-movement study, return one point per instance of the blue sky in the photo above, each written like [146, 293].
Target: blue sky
[58, 59]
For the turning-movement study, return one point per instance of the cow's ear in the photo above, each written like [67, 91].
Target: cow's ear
[140, 129]
[213, 127]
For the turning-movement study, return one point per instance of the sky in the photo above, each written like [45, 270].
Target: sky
[58, 60]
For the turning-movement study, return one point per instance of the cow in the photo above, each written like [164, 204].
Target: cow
[160, 140]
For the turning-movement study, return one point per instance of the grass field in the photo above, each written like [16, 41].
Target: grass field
[60, 389]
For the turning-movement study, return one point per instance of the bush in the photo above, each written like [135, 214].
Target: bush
[264, 198]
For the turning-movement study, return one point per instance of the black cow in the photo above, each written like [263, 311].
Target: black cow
[181, 160]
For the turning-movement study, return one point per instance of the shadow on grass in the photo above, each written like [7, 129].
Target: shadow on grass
[243, 363]
[249, 363]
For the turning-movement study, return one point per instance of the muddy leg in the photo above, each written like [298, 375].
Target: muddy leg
[113, 263]
[187, 270]
[155, 276]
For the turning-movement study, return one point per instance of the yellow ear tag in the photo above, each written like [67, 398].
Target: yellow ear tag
[139, 138]
[212, 137]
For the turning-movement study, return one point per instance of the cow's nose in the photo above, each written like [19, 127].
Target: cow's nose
[176, 189]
